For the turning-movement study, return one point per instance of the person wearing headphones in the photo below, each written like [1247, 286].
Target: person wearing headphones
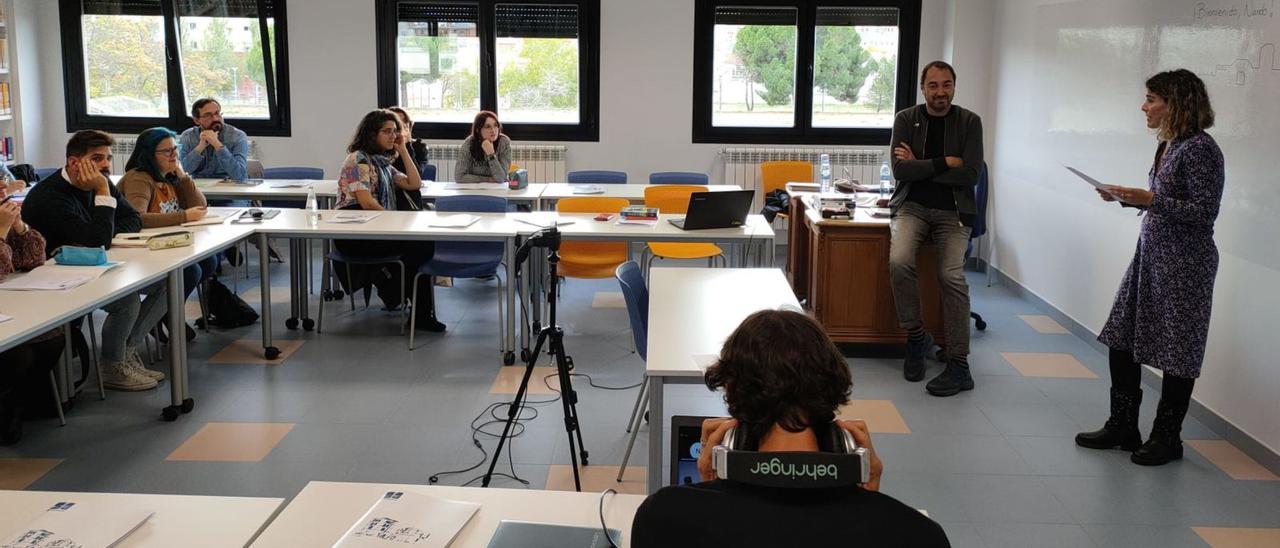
[782, 377]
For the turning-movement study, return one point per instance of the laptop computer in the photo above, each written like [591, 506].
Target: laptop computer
[726, 209]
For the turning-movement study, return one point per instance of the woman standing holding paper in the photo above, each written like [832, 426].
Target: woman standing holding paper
[164, 195]
[1161, 312]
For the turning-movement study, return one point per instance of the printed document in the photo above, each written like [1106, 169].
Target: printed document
[99, 524]
[401, 518]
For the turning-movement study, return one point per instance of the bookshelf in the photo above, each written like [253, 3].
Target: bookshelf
[8, 97]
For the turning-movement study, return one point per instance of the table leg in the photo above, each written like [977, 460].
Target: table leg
[264, 275]
[654, 472]
[180, 401]
[509, 352]
[305, 272]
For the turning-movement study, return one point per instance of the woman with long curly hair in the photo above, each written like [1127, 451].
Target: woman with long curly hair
[1161, 312]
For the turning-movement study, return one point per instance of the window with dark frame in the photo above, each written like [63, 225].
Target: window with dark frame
[534, 63]
[802, 71]
[118, 77]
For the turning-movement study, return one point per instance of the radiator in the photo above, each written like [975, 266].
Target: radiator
[742, 165]
[545, 163]
[123, 148]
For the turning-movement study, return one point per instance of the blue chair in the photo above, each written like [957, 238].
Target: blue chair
[678, 178]
[636, 295]
[979, 229]
[427, 172]
[465, 259]
[348, 260]
[597, 177]
[292, 173]
[43, 172]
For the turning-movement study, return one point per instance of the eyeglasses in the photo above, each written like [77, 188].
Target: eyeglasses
[171, 151]
[214, 114]
[388, 131]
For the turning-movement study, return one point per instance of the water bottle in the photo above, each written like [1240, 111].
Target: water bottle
[886, 178]
[313, 211]
[824, 169]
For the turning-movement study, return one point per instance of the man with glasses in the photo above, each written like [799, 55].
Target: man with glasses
[213, 149]
[78, 206]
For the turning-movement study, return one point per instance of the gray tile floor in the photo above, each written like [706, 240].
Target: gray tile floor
[996, 466]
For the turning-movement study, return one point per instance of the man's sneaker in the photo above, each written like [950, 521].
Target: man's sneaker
[913, 366]
[134, 361]
[121, 376]
[953, 380]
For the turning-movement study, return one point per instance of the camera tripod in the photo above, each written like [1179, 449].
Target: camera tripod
[552, 336]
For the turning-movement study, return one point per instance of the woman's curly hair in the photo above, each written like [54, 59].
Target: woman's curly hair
[1189, 108]
[779, 367]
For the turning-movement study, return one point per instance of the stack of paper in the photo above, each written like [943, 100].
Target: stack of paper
[588, 189]
[79, 524]
[401, 518]
[453, 221]
[209, 219]
[352, 217]
[54, 276]
[290, 184]
[476, 186]
[5, 318]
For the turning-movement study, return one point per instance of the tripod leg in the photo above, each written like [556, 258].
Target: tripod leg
[513, 410]
[568, 403]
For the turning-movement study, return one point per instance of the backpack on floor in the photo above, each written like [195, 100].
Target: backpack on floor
[226, 309]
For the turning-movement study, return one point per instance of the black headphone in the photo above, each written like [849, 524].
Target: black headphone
[839, 462]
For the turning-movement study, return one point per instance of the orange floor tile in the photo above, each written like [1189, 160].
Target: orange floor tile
[1048, 364]
[232, 442]
[18, 473]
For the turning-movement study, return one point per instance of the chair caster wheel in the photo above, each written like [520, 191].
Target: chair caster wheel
[170, 414]
[308, 324]
[291, 323]
[981, 325]
[187, 405]
[338, 294]
[508, 358]
[525, 355]
[271, 352]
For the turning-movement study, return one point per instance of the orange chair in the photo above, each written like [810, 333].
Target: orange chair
[675, 199]
[591, 259]
[776, 175]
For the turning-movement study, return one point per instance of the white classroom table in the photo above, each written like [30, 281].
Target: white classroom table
[179, 520]
[323, 511]
[35, 312]
[388, 225]
[691, 313]
[631, 192]
[440, 189]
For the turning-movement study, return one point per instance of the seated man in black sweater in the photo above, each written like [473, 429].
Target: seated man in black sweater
[781, 375]
[78, 206]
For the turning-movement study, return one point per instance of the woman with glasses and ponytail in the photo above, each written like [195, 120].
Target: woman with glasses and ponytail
[156, 186]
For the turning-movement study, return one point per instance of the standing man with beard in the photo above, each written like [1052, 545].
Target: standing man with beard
[213, 149]
[937, 156]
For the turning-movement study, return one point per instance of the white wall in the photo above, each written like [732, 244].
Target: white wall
[1068, 82]
[646, 88]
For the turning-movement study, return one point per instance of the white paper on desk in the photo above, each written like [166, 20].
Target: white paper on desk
[545, 223]
[409, 519]
[98, 524]
[290, 184]
[705, 360]
[352, 217]
[209, 219]
[453, 221]
[5, 318]
[1096, 183]
[588, 189]
[641, 222]
[476, 186]
[53, 277]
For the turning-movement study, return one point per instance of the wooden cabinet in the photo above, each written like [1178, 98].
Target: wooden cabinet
[840, 270]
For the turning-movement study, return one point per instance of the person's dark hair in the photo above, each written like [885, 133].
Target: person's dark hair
[942, 65]
[1189, 108]
[200, 103]
[366, 138]
[87, 139]
[403, 114]
[144, 151]
[779, 367]
[476, 125]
